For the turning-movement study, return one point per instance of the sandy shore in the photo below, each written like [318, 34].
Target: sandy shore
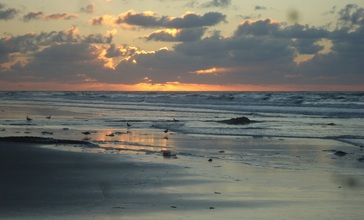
[37, 182]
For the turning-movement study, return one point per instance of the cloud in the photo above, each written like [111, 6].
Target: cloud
[41, 16]
[7, 14]
[259, 52]
[114, 51]
[268, 27]
[61, 53]
[144, 19]
[33, 16]
[191, 3]
[62, 63]
[344, 62]
[174, 35]
[190, 20]
[60, 16]
[89, 9]
[258, 7]
[331, 11]
[17, 46]
[307, 46]
[216, 3]
[150, 19]
[352, 16]
[257, 28]
[97, 20]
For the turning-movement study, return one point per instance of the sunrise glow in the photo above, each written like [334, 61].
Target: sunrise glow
[210, 45]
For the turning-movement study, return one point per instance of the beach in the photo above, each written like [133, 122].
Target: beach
[71, 155]
[46, 182]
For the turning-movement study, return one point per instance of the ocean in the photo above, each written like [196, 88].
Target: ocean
[326, 116]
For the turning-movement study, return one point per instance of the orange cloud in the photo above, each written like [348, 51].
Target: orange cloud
[219, 70]
[213, 70]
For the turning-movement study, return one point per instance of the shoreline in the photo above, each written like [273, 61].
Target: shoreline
[44, 183]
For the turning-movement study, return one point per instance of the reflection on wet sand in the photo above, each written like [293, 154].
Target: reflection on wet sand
[133, 140]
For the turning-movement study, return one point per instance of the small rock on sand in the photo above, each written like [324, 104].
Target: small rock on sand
[237, 121]
[340, 153]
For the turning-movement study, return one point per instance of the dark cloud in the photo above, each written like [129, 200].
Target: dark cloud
[41, 16]
[32, 42]
[23, 43]
[33, 16]
[7, 14]
[67, 53]
[304, 32]
[141, 19]
[66, 63]
[307, 46]
[194, 20]
[191, 3]
[332, 11]
[64, 56]
[351, 16]
[113, 51]
[216, 3]
[190, 34]
[98, 39]
[344, 64]
[60, 16]
[264, 52]
[89, 9]
[151, 20]
[183, 35]
[269, 28]
[261, 27]
[97, 20]
[117, 51]
[258, 7]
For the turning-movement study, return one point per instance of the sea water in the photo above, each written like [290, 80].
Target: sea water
[337, 116]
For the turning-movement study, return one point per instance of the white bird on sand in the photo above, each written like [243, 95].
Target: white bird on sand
[49, 117]
[165, 131]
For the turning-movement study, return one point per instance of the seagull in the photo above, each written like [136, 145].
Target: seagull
[175, 120]
[29, 119]
[165, 131]
[128, 125]
[49, 117]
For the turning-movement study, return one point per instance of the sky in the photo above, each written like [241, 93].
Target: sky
[182, 45]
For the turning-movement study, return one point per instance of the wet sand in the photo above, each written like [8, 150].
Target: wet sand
[39, 182]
